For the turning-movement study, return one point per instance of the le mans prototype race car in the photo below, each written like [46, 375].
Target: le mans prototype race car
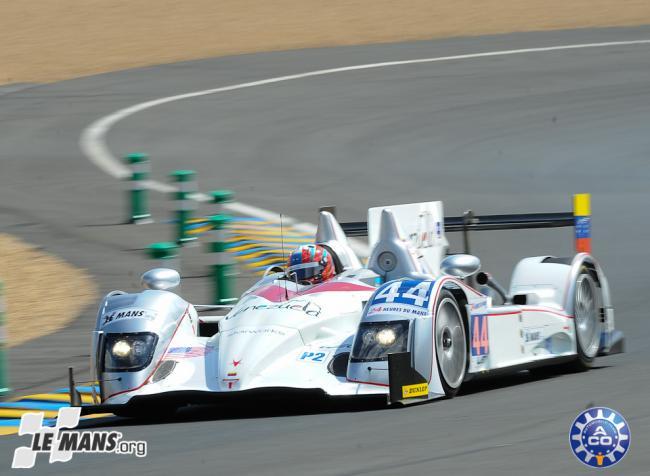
[412, 325]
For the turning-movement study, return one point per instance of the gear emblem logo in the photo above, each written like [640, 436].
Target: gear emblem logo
[599, 437]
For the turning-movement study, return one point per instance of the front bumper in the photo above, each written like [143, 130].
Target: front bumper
[269, 395]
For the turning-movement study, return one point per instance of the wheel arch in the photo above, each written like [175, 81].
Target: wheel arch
[584, 261]
[462, 300]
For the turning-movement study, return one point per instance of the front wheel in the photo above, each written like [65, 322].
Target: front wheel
[586, 312]
[450, 342]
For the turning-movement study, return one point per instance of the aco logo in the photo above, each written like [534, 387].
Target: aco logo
[599, 437]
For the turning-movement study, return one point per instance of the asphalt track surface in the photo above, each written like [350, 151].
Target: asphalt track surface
[502, 134]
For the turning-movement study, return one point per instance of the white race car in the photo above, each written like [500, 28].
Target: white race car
[413, 324]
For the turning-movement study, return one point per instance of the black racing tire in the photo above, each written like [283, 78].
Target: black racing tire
[450, 343]
[587, 324]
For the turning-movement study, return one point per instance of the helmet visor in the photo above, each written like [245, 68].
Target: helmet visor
[304, 271]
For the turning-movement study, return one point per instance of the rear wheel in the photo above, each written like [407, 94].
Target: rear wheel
[586, 312]
[451, 344]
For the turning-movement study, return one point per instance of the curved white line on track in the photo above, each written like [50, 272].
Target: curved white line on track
[93, 138]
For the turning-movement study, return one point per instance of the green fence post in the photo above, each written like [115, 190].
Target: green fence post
[223, 268]
[4, 377]
[165, 253]
[139, 206]
[186, 186]
[221, 197]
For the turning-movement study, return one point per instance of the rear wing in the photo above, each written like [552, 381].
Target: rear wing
[579, 218]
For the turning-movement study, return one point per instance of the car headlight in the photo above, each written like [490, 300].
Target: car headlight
[386, 336]
[128, 352]
[375, 340]
[121, 348]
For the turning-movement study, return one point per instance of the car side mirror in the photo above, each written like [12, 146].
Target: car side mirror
[161, 279]
[460, 266]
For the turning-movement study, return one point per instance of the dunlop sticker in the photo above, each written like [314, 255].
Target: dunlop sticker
[417, 390]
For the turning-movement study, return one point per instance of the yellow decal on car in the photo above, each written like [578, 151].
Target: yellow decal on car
[417, 390]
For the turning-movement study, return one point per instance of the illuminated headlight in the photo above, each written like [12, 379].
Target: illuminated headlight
[386, 336]
[122, 348]
[128, 352]
[382, 336]
[375, 340]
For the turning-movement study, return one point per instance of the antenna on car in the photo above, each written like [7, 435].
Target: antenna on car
[282, 237]
[286, 292]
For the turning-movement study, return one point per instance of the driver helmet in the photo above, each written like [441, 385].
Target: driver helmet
[310, 263]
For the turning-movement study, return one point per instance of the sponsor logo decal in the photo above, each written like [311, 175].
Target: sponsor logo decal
[187, 352]
[312, 356]
[583, 227]
[62, 445]
[304, 306]
[479, 361]
[531, 335]
[426, 228]
[599, 437]
[231, 376]
[417, 390]
[396, 309]
[402, 297]
[230, 381]
[128, 313]
[479, 307]
[263, 331]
